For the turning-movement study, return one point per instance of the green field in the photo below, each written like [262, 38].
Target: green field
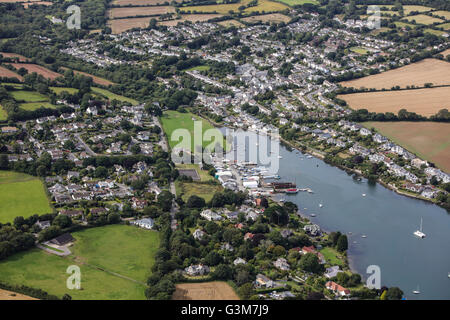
[359, 50]
[111, 96]
[445, 26]
[31, 106]
[263, 5]
[435, 32]
[199, 68]
[330, 255]
[423, 19]
[21, 195]
[173, 120]
[38, 269]
[124, 250]
[58, 90]
[3, 114]
[28, 96]
[203, 190]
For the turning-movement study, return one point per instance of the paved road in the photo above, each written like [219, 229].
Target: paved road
[86, 147]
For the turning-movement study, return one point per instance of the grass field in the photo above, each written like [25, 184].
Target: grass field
[21, 195]
[435, 32]
[204, 175]
[425, 71]
[38, 269]
[125, 250]
[28, 96]
[199, 68]
[423, 19]
[445, 26]
[111, 96]
[426, 102]
[173, 120]
[58, 90]
[330, 255]
[205, 191]
[215, 290]
[359, 50]
[3, 114]
[271, 17]
[400, 24]
[428, 140]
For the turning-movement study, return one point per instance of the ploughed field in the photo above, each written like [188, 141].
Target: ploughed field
[215, 290]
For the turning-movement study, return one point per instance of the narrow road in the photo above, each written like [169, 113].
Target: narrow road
[86, 147]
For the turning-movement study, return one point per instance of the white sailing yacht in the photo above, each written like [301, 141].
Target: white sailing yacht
[419, 233]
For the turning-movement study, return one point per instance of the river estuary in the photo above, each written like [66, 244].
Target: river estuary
[387, 219]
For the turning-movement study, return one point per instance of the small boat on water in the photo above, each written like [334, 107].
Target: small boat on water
[313, 215]
[309, 157]
[291, 191]
[363, 194]
[350, 233]
[320, 205]
[363, 236]
[417, 291]
[282, 200]
[280, 157]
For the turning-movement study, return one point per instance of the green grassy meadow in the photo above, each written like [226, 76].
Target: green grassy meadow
[21, 195]
[3, 114]
[112, 96]
[173, 120]
[28, 96]
[31, 106]
[124, 250]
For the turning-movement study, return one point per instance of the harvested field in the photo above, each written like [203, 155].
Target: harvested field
[141, 2]
[272, 17]
[46, 73]
[9, 295]
[139, 11]
[446, 52]
[428, 140]
[204, 291]
[442, 13]
[42, 3]
[96, 79]
[9, 74]
[122, 25]
[426, 102]
[423, 19]
[263, 5]
[298, 2]
[230, 23]
[190, 17]
[432, 71]
[19, 57]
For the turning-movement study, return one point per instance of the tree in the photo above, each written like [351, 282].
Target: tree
[310, 263]
[4, 161]
[246, 291]
[165, 200]
[342, 243]
[222, 272]
[213, 258]
[195, 202]
[62, 221]
[113, 218]
[394, 293]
